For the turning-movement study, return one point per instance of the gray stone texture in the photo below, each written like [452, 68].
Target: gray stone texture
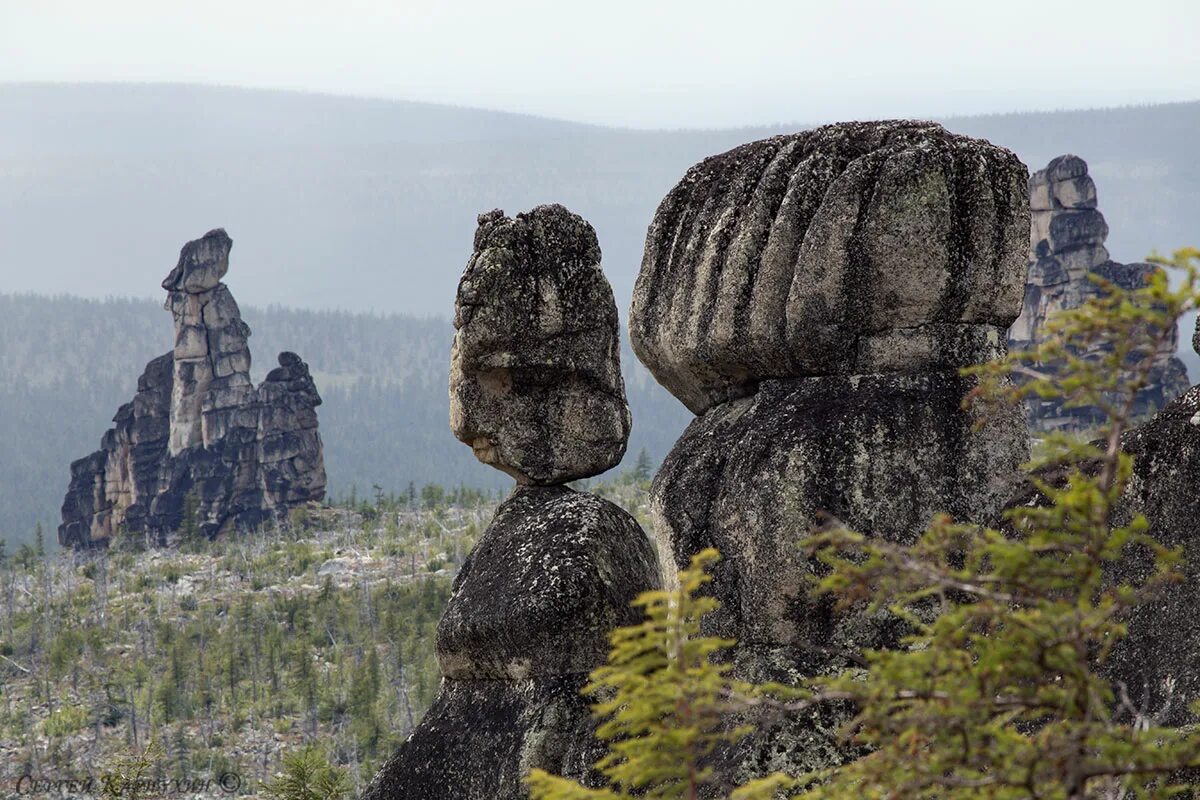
[536, 391]
[812, 297]
[1066, 251]
[198, 428]
[528, 619]
[789, 257]
[535, 374]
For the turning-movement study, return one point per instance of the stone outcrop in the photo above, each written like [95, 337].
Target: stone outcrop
[1164, 635]
[199, 440]
[1066, 254]
[535, 383]
[845, 250]
[811, 297]
[536, 391]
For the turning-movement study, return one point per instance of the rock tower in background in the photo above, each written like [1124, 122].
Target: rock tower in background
[1066, 254]
[536, 391]
[199, 440]
[811, 298]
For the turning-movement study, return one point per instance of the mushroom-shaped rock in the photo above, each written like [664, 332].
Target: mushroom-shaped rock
[535, 376]
[848, 249]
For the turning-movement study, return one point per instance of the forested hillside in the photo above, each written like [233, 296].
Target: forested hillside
[66, 364]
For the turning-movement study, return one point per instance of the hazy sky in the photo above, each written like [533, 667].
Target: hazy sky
[642, 63]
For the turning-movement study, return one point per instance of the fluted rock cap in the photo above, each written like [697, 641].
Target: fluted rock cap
[535, 374]
[202, 264]
[852, 248]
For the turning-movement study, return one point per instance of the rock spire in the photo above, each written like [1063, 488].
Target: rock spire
[199, 438]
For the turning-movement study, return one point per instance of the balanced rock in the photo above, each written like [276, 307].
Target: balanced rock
[1066, 255]
[848, 249]
[535, 381]
[198, 437]
[812, 298]
[535, 391]
[529, 617]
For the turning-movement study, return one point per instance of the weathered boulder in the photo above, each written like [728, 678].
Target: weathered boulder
[831, 251]
[812, 297]
[536, 391]
[535, 379]
[881, 453]
[553, 575]
[528, 619]
[1066, 254]
[1164, 635]
[199, 438]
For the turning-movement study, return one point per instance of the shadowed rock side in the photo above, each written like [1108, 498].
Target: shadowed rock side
[535, 381]
[536, 391]
[812, 298]
[848, 249]
[1066, 249]
[1165, 633]
[528, 619]
[198, 428]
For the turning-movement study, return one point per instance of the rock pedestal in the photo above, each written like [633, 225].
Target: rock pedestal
[536, 391]
[1066, 253]
[199, 439]
[811, 297]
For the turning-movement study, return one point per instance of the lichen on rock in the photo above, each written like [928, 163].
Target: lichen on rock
[535, 378]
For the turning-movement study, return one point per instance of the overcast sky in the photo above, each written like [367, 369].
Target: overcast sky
[641, 63]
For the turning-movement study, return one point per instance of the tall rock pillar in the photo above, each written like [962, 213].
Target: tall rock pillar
[535, 391]
[811, 298]
[1066, 256]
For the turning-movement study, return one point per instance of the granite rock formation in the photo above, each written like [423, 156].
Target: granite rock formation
[811, 297]
[1066, 253]
[535, 385]
[845, 250]
[536, 391]
[199, 438]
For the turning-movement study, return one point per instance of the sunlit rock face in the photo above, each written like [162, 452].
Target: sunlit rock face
[1066, 257]
[199, 438]
[536, 391]
[535, 375]
[812, 298]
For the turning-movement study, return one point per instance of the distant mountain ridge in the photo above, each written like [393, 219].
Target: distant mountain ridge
[364, 204]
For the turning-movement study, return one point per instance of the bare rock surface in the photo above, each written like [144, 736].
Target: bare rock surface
[1164, 635]
[199, 438]
[528, 619]
[812, 297]
[536, 391]
[535, 377]
[1066, 254]
[848, 249]
[553, 575]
